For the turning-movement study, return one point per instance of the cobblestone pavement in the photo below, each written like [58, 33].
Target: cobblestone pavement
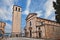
[20, 38]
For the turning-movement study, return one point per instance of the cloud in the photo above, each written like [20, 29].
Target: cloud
[40, 7]
[8, 28]
[53, 18]
[39, 13]
[54, 0]
[6, 9]
[34, 6]
[27, 7]
[49, 8]
[6, 12]
[6, 2]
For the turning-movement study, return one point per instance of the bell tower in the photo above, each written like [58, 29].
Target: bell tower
[16, 18]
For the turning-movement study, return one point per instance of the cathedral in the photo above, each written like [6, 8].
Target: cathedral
[37, 27]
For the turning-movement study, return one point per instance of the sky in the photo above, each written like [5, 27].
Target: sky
[43, 8]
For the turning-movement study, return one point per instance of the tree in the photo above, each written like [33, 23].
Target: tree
[56, 6]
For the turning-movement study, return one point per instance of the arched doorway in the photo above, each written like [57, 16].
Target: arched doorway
[30, 33]
[16, 35]
[39, 34]
[1, 34]
[30, 29]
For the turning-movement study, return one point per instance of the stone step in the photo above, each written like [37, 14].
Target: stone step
[20, 38]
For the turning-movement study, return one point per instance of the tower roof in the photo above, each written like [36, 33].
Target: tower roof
[17, 6]
[32, 14]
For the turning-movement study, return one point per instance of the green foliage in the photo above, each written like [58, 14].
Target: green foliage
[56, 6]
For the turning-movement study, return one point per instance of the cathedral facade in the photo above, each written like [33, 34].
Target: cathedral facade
[41, 28]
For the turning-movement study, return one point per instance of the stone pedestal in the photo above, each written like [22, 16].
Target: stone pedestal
[16, 34]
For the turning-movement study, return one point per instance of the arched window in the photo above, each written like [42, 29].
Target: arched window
[30, 23]
[16, 8]
[41, 23]
[19, 9]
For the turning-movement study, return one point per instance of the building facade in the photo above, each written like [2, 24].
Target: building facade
[2, 26]
[16, 18]
[41, 28]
